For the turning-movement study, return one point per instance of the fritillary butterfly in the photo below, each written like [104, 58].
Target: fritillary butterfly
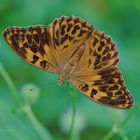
[78, 52]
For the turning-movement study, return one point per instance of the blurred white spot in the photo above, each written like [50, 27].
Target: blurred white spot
[30, 93]
[66, 119]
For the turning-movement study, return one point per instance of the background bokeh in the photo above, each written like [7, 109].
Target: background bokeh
[52, 104]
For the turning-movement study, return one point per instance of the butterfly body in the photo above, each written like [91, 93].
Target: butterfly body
[76, 51]
[69, 67]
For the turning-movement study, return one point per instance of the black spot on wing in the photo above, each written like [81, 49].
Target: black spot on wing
[93, 92]
[43, 64]
[85, 88]
[35, 59]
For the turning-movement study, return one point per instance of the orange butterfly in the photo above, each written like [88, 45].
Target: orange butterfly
[78, 52]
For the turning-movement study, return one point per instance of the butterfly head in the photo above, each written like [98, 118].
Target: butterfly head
[61, 81]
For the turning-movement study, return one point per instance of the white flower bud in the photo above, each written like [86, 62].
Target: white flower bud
[30, 93]
[66, 119]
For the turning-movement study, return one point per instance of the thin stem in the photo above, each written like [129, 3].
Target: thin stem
[73, 114]
[44, 134]
[10, 84]
[119, 127]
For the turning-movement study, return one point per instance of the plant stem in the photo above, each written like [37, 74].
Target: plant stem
[71, 132]
[44, 134]
[10, 84]
[111, 133]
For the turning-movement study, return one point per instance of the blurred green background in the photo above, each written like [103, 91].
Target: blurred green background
[51, 107]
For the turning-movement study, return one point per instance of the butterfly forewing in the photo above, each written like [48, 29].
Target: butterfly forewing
[33, 45]
[68, 33]
[100, 52]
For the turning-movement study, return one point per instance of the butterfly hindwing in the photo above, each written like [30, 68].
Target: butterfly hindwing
[106, 87]
[33, 45]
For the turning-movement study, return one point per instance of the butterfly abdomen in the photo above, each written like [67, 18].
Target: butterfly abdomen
[69, 67]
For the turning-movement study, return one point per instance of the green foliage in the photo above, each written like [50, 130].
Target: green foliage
[42, 110]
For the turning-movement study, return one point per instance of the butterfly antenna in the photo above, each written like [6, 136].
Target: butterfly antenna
[34, 88]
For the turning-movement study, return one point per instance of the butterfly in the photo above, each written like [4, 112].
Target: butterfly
[78, 52]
